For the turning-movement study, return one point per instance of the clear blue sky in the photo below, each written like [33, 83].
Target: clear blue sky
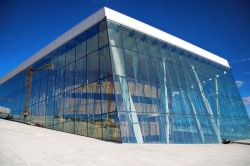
[219, 26]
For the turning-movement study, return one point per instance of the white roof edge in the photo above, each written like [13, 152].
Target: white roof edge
[119, 18]
[68, 35]
[147, 29]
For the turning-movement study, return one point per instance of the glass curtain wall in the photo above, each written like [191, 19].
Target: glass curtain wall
[114, 83]
[165, 94]
[70, 90]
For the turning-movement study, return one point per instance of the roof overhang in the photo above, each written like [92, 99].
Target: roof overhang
[121, 19]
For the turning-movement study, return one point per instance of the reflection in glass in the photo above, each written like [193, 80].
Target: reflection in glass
[114, 83]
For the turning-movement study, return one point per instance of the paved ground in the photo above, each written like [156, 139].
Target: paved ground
[23, 145]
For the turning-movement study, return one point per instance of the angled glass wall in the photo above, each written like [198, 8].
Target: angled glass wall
[165, 94]
[71, 89]
[114, 83]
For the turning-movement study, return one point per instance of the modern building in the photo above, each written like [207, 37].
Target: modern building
[114, 78]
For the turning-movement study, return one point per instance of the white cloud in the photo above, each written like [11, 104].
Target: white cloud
[239, 83]
[246, 100]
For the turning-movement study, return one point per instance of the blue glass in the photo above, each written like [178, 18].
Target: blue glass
[114, 83]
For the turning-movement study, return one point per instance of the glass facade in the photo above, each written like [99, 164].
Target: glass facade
[114, 83]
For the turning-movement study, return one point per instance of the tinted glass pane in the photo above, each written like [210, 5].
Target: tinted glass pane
[118, 61]
[53, 62]
[154, 48]
[103, 34]
[95, 127]
[50, 113]
[51, 85]
[142, 43]
[61, 58]
[114, 32]
[132, 64]
[144, 67]
[105, 62]
[68, 112]
[129, 39]
[93, 66]
[111, 127]
[58, 113]
[92, 39]
[70, 52]
[81, 72]
[107, 98]
[81, 46]
[59, 81]
[69, 77]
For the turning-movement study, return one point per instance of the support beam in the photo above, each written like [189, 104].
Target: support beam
[207, 105]
[130, 108]
[196, 118]
[164, 100]
[119, 69]
[216, 95]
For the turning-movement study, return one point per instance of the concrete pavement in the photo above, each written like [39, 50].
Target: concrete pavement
[24, 145]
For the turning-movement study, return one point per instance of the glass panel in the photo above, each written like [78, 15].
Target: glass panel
[95, 127]
[53, 61]
[111, 127]
[69, 77]
[41, 113]
[81, 45]
[58, 113]
[128, 39]
[107, 96]
[92, 39]
[51, 85]
[60, 81]
[103, 34]
[144, 67]
[50, 113]
[142, 44]
[43, 88]
[118, 61]
[68, 112]
[105, 62]
[93, 67]
[81, 121]
[93, 102]
[132, 64]
[70, 52]
[81, 72]
[114, 33]
[61, 58]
